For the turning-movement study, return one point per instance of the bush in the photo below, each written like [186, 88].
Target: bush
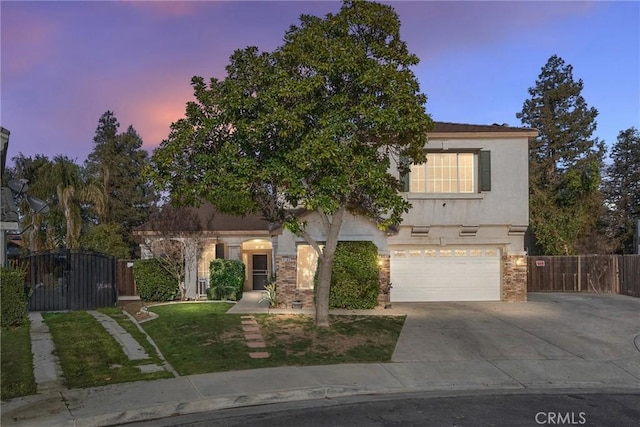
[13, 297]
[355, 282]
[153, 282]
[226, 279]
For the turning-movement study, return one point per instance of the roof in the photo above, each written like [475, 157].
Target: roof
[470, 130]
[212, 220]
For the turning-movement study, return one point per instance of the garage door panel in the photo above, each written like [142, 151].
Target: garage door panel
[427, 276]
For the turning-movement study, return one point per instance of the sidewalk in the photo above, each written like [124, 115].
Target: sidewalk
[128, 402]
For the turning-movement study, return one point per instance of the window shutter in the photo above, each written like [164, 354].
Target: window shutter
[219, 250]
[485, 170]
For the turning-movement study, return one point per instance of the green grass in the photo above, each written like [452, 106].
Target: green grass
[89, 355]
[200, 338]
[124, 321]
[16, 363]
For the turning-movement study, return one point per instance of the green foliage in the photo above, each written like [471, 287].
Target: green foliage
[319, 123]
[58, 182]
[16, 362]
[114, 166]
[622, 189]
[271, 293]
[565, 161]
[355, 282]
[226, 279]
[153, 282]
[13, 297]
[105, 238]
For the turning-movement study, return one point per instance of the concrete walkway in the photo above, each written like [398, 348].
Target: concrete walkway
[47, 371]
[459, 350]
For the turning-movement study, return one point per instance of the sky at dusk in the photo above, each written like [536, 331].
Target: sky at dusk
[63, 64]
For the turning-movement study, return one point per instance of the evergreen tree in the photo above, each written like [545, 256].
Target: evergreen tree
[622, 188]
[116, 165]
[317, 123]
[564, 160]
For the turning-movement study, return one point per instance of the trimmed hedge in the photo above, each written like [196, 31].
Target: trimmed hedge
[355, 282]
[226, 279]
[153, 282]
[13, 298]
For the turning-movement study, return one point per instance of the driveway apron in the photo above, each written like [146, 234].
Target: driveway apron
[548, 327]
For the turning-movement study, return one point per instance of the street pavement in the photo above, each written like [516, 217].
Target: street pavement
[578, 342]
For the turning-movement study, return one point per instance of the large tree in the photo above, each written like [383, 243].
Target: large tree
[57, 182]
[622, 188]
[565, 160]
[115, 165]
[318, 124]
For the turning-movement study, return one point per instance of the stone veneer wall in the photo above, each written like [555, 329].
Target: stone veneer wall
[385, 277]
[286, 283]
[514, 278]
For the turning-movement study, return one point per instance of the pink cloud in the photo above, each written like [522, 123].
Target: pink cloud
[27, 38]
[166, 9]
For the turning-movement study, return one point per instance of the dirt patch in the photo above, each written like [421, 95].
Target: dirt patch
[135, 309]
[290, 329]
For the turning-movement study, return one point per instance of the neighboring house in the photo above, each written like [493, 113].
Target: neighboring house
[463, 239]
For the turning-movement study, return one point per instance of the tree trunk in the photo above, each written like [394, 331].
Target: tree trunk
[326, 264]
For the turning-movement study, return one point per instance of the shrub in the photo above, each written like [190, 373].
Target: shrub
[226, 279]
[154, 283]
[13, 297]
[271, 293]
[355, 282]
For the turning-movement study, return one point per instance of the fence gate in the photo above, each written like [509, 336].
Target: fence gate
[608, 274]
[629, 266]
[70, 280]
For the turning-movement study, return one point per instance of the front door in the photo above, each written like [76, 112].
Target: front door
[260, 271]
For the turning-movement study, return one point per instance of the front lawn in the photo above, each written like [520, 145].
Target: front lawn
[200, 338]
[90, 356]
[16, 362]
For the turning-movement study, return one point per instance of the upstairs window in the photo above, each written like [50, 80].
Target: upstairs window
[444, 173]
[451, 172]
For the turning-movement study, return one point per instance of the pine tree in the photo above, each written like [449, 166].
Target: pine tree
[565, 160]
[622, 188]
[116, 164]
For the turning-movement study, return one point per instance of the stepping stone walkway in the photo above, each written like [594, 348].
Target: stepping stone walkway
[254, 338]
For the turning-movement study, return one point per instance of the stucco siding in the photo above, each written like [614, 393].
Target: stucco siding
[507, 203]
[354, 228]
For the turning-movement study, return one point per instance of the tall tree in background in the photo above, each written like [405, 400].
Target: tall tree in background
[59, 183]
[115, 164]
[42, 232]
[622, 188]
[565, 161]
[317, 124]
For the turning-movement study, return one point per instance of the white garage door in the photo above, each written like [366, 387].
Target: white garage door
[445, 274]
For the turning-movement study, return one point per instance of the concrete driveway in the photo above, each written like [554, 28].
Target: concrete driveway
[550, 326]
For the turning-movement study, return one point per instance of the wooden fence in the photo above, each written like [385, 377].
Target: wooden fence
[629, 267]
[124, 278]
[612, 274]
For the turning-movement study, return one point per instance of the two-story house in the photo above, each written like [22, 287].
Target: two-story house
[463, 239]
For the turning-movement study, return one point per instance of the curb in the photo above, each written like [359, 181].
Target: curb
[298, 395]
